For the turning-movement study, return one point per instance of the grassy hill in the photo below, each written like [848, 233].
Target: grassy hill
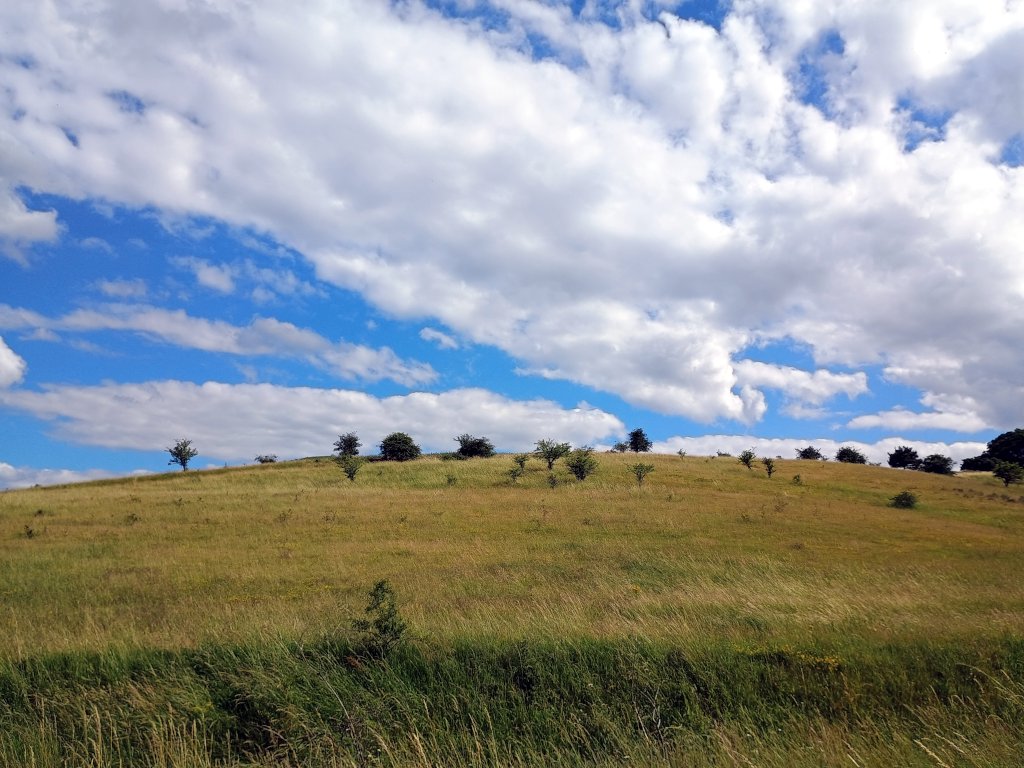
[713, 617]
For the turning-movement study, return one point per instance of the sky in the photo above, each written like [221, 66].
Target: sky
[759, 223]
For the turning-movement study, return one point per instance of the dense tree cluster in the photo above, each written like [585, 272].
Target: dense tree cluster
[1008, 447]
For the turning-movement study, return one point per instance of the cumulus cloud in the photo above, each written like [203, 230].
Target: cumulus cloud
[235, 422]
[12, 367]
[217, 277]
[263, 336]
[630, 213]
[123, 289]
[878, 452]
[21, 227]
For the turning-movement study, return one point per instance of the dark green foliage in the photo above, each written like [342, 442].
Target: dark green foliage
[266, 458]
[810, 453]
[474, 447]
[747, 458]
[551, 451]
[849, 455]
[383, 628]
[982, 463]
[640, 471]
[350, 465]
[581, 462]
[1008, 472]
[638, 442]
[1008, 446]
[620, 447]
[520, 460]
[769, 466]
[937, 464]
[347, 444]
[182, 453]
[904, 457]
[903, 500]
[398, 446]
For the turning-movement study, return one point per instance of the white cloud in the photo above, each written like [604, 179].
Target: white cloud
[12, 367]
[441, 339]
[810, 388]
[236, 422]
[21, 227]
[123, 289]
[263, 336]
[217, 277]
[631, 223]
[878, 452]
[26, 477]
[902, 419]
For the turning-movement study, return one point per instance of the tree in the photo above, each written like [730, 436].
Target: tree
[347, 444]
[398, 446]
[769, 466]
[551, 451]
[937, 464]
[810, 453]
[1008, 472]
[747, 458]
[470, 447]
[266, 458]
[904, 457]
[848, 455]
[182, 453]
[620, 447]
[581, 462]
[640, 471]
[1008, 446]
[638, 442]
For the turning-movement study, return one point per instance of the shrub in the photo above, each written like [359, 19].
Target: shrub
[384, 628]
[903, 500]
[747, 458]
[769, 466]
[640, 471]
[904, 457]
[1008, 472]
[398, 446]
[182, 453]
[474, 447]
[810, 453]
[581, 462]
[620, 447]
[937, 464]
[551, 451]
[848, 455]
[347, 444]
[350, 465]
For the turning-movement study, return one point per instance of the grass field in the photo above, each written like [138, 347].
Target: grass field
[713, 617]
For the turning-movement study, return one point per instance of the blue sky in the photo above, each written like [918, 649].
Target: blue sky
[732, 224]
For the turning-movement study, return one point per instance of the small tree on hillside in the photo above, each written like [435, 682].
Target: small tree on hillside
[620, 447]
[638, 442]
[347, 444]
[182, 453]
[769, 466]
[472, 447]
[904, 457]
[747, 458]
[810, 453]
[937, 464]
[398, 446]
[1008, 472]
[551, 451]
[581, 462]
[350, 465]
[640, 471]
[848, 455]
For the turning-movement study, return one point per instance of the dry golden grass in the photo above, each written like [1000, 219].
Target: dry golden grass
[707, 549]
